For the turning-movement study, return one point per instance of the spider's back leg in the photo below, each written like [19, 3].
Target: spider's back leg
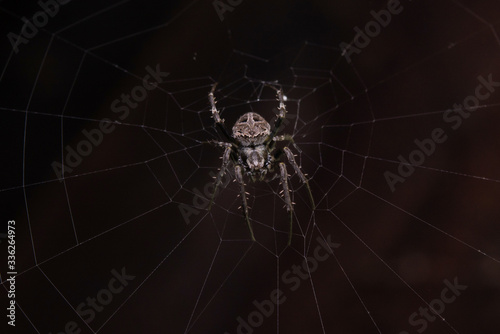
[216, 115]
[281, 114]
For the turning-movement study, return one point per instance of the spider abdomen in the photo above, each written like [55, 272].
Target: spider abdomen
[251, 129]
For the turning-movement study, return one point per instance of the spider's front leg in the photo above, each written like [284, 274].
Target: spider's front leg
[301, 175]
[239, 178]
[286, 195]
[225, 161]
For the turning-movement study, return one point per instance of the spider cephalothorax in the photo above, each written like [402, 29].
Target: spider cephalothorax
[252, 150]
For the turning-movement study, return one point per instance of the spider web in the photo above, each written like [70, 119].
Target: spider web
[138, 201]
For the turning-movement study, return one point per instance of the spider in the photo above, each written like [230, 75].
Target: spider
[252, 150]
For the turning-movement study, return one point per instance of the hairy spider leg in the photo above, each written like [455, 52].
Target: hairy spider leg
[286, 196]
[216, 115]
[222, 171]
[281, 115]
[277, 124]
[287, 137]
[239, 178]
[301, 175]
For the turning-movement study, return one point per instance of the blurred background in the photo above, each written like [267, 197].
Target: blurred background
[122, 241]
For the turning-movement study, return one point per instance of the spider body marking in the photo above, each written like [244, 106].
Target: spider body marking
[252, 150]
[251, 132]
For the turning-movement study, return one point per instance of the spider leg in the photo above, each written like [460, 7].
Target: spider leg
[218, 143]
[287, 137]
[301, 175]
[239, 178]
[281, 114]
[216, 115]
[286, 195]
[222, 171]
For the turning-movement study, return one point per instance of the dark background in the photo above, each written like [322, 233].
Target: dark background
[119, 208]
